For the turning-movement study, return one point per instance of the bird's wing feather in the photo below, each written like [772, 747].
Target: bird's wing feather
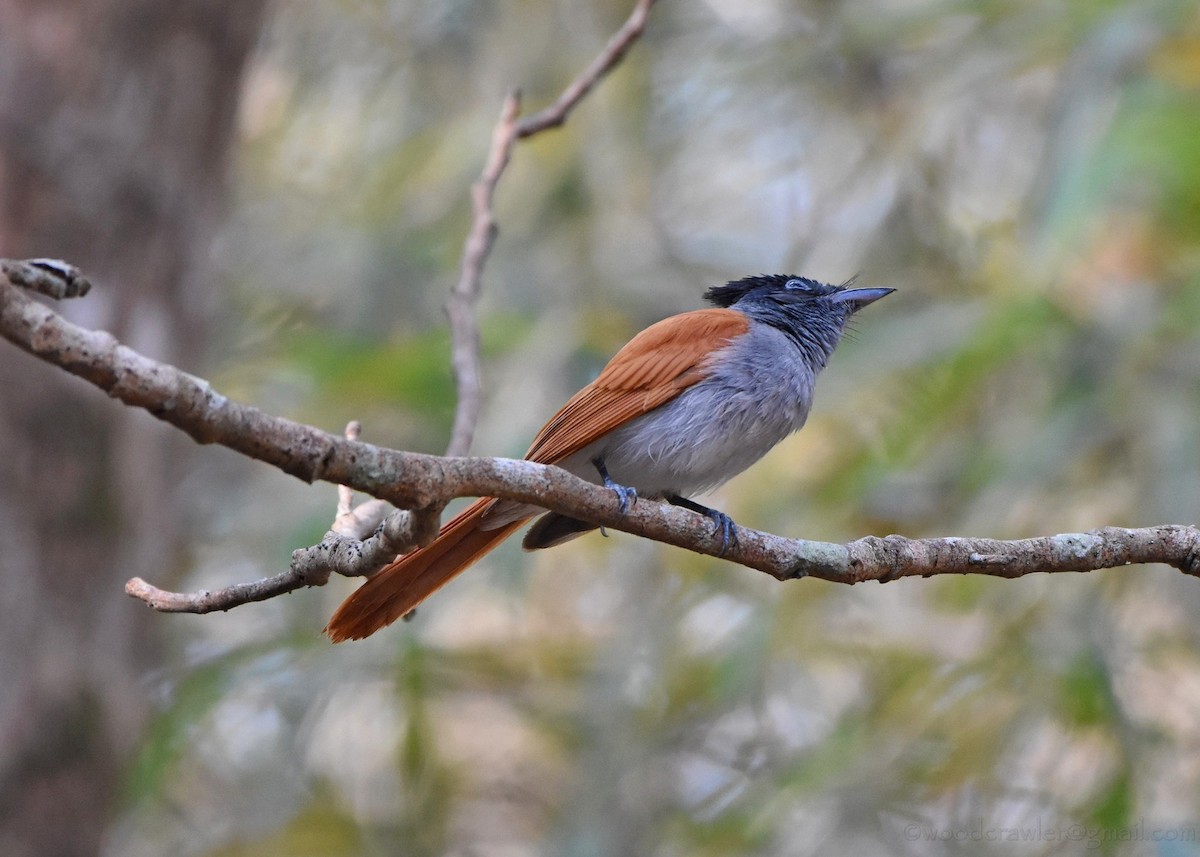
[654, 367]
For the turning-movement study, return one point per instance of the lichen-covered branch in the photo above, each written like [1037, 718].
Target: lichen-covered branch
[460, 307]
[893, 557]
[425, 483]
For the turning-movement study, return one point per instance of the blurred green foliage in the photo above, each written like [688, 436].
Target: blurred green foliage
[1026, 173]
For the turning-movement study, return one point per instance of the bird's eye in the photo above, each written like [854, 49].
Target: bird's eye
[798, 285]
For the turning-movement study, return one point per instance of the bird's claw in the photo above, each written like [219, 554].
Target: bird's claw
[625, 494]
[724, 525]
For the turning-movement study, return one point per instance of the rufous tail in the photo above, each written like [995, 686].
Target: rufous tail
[398, 588]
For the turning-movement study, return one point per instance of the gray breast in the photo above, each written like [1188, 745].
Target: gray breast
[758, 392]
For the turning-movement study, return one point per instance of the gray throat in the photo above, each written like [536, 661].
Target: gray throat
[815, 334]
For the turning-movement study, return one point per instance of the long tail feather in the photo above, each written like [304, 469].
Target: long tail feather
[398, 588]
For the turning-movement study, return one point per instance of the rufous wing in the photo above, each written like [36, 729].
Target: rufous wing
[654, 367]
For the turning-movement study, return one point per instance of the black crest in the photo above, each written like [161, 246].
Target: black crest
[733, 291]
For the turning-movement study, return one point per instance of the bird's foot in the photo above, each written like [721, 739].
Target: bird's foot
[728, 529]
[722, 523]
[625, 494]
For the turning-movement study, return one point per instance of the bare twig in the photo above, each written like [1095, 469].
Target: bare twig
[400, 533]
[357, 522]
[554, 115]
[226, 598]
[425, 483]
[345, 504]
[464, 331]
[460, 307]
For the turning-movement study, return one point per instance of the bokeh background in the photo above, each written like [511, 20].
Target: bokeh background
[275, 197]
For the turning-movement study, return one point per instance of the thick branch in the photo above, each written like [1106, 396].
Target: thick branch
[460, 307]
[425, 483]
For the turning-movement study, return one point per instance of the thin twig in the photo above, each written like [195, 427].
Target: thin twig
[464, 330]
[425, 483]
[312, 566]
[205, 601]
[357, 522]
[554, 115]
[345, 504]
[460, 307]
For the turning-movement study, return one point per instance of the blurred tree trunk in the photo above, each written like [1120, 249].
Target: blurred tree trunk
[116, 123]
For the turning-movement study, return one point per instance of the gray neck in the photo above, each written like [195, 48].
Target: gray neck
[814, 333]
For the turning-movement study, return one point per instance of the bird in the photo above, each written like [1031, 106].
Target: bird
[684, 406]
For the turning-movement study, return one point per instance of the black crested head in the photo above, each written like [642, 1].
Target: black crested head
[791, 294]
[812, 314]
[767, 284]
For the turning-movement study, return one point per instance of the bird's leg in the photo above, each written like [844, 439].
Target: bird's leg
[627, 495]
[722, 522]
